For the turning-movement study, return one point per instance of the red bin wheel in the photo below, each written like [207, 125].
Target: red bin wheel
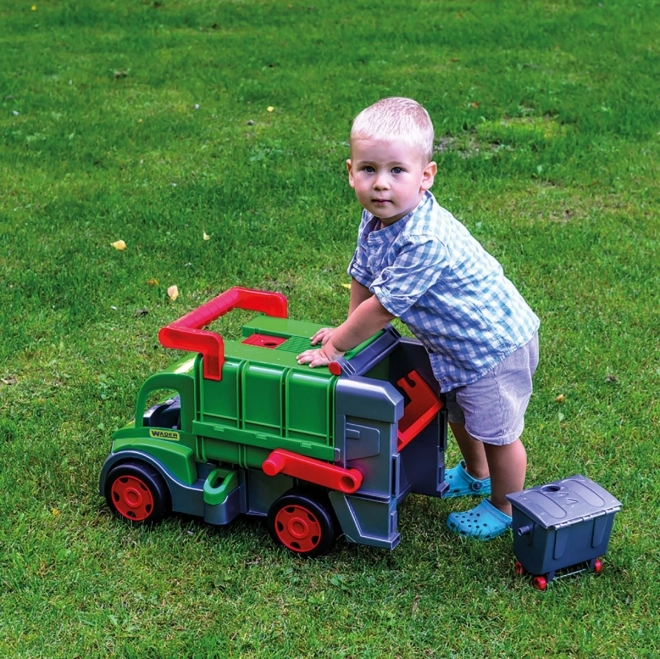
[598, 566]
[520, 570]
[540, 583]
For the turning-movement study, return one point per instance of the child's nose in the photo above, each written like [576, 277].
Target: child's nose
[381, 182]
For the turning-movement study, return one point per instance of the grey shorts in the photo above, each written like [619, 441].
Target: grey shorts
[493, 408]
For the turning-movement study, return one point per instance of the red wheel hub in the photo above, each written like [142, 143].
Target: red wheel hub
[297, 528]
[132, 498]
[540, 583]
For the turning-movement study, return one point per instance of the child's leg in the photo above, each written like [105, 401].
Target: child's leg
[474, 455]
[493, 411]
[508, 465]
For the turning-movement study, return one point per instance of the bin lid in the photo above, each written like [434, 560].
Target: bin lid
[565, 502]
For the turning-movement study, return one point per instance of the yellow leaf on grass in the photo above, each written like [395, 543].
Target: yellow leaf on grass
[206, 236]
[560, 399]
[119, 244]
[173, 292]
[152, 282]
[270, 108]
[347, 286]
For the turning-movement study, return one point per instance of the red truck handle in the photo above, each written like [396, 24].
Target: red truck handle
[187, 332]
[312, 471]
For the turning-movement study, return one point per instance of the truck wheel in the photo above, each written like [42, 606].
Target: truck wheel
[137, 492]
[302, 523]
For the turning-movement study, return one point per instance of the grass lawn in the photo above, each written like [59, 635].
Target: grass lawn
[165, 123]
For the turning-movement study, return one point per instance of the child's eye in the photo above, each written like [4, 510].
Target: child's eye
[397, 170]
[369, 168]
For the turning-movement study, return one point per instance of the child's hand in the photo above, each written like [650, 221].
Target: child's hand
[322, 335]
[320, 357]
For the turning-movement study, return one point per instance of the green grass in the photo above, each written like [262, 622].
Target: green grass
[149, 122]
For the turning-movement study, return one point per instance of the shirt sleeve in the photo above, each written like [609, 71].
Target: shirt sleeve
[417, 266]
[358, 268]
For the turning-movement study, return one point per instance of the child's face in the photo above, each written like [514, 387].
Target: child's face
[389, 178]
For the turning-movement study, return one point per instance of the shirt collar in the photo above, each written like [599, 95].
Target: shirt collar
[385, 233]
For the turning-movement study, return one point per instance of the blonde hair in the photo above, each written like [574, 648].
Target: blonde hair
[396, 118]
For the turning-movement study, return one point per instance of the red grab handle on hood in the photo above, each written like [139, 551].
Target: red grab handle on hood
[187, 332]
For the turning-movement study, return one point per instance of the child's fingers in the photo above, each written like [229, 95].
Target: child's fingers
[306, 357]
[322, 335]
[313, 358]
[319, 360]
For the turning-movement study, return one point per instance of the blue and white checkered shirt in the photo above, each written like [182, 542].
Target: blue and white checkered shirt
[430, 272]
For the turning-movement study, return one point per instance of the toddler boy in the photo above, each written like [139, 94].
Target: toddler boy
[416, 262]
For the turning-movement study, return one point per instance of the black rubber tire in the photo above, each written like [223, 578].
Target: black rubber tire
[303, 523]
[135, 491]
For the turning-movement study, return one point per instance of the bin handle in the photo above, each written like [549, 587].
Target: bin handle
[187, 332]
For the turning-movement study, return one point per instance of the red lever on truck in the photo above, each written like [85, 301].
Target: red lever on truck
[186, 333]
[311, 470]
[420, 411]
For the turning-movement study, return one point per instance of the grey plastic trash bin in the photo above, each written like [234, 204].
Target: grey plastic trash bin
[561, 525]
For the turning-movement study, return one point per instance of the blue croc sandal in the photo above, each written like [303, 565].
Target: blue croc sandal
[461, 484]
[484, 522]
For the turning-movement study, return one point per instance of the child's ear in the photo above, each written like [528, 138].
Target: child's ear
[428, 175]
[349, 167]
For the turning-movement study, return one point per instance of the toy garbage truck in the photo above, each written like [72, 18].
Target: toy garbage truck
[239, 427]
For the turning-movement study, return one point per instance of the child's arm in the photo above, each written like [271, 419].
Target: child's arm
[367, 318]
[359, 294]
